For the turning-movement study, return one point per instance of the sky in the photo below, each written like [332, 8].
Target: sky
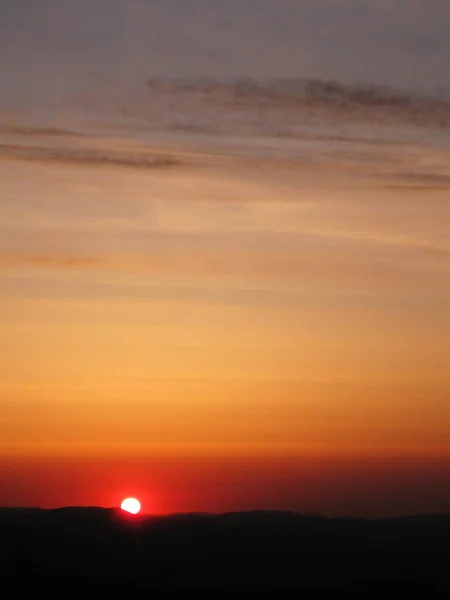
[395, 42]
[250, 318]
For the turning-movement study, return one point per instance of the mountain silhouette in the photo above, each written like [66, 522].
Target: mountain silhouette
[95, 548]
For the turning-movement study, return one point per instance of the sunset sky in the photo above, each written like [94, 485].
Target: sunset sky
[251, 320]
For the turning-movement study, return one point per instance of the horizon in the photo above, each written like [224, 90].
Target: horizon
[94, 549]
[249, 512]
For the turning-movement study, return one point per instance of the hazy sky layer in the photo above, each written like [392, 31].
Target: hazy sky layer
[226, 313]
[51, 42]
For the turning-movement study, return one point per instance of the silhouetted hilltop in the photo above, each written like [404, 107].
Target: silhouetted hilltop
[92, 547]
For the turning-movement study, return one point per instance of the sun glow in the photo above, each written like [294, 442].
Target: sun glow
[131, 505]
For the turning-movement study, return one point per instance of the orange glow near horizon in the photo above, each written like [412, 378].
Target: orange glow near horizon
[222, 338]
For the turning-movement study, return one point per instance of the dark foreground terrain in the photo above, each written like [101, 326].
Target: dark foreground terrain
[83, 550]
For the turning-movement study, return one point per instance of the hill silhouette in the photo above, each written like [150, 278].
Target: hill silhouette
[95, 548]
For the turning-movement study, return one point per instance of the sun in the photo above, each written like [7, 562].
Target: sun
[131, 505]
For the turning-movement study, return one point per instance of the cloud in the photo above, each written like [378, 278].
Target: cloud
[340, 262]
[89, 156]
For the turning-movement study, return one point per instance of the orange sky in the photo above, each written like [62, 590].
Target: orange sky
[222, 336]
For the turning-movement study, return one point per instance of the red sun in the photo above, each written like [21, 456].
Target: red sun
[131, 505]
